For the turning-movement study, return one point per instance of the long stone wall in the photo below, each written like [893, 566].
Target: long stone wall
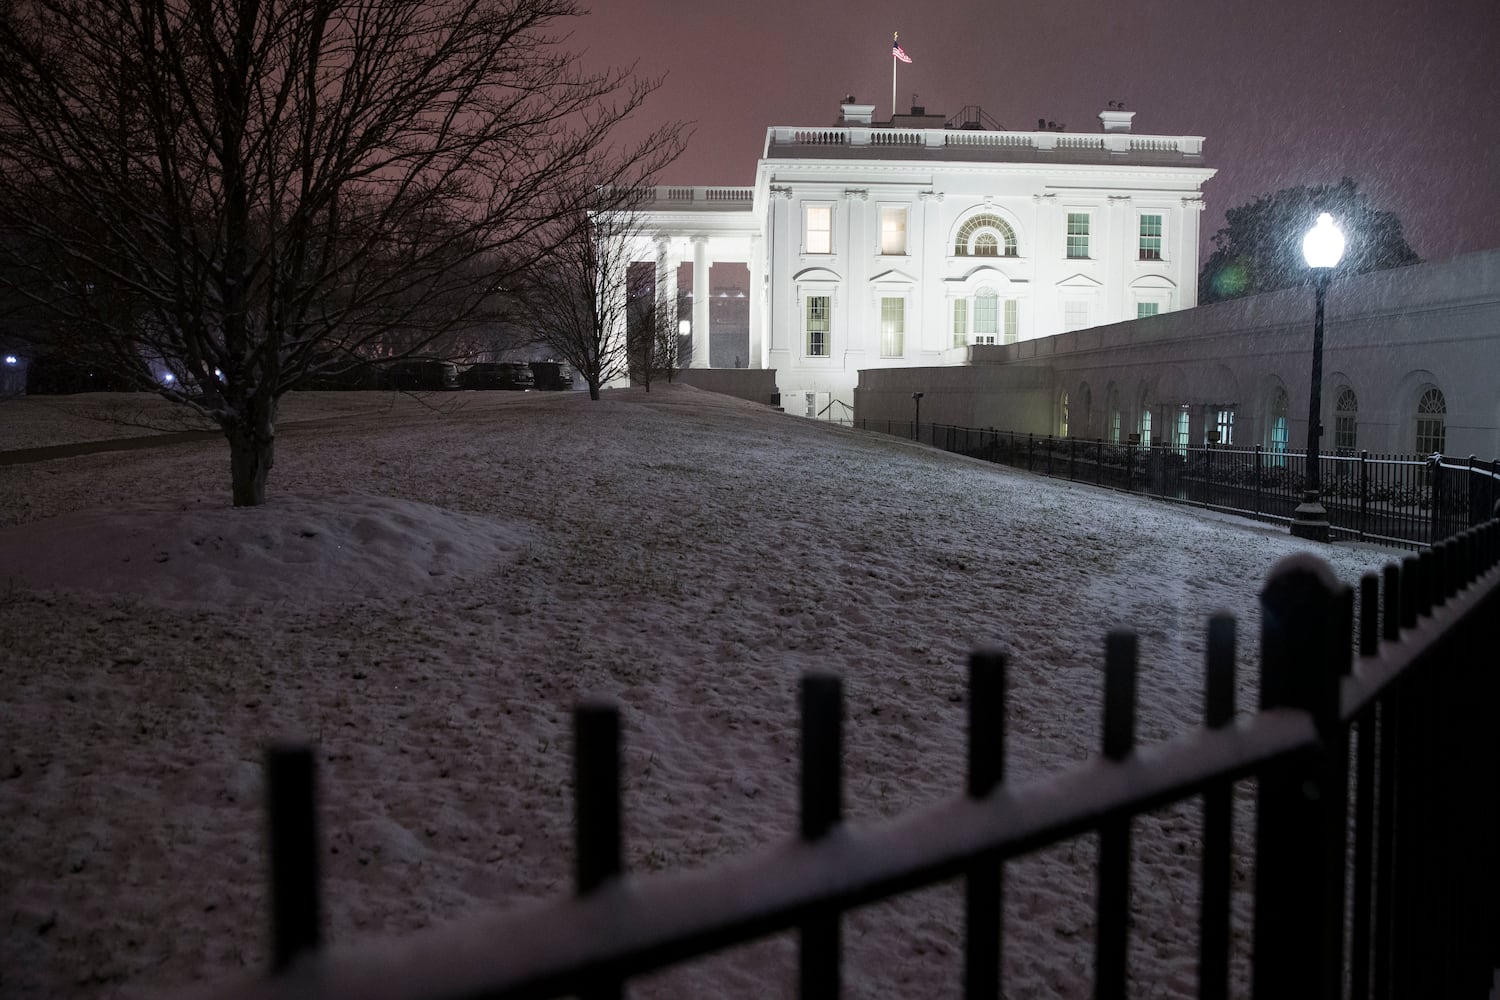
[1390, 338]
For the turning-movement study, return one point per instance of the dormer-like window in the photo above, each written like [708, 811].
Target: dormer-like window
[985, 236]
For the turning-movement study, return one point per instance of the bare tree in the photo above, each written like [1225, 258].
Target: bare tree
[577, 300]
[238, 193]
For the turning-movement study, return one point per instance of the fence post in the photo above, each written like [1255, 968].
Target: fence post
[983, 940]
[1364, 490]
[822, 810]
[1129, 468]
[1300, 808]
[1257, 478]
[1030, 450]
[1218, 818]
[596, 810]
[1111, 938]
[291, 793]
[1099, 462]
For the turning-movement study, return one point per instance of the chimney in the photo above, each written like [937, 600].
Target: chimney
[1116, 120]
[856, 114]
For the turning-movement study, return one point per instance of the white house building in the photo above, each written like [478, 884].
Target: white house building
[900, 244]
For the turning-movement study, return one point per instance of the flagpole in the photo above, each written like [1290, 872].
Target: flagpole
[895, 37]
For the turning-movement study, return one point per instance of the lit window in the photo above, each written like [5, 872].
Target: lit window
[986, 317]
[817, 326]
[892, 327]
[960, 322]
[1075, 314]
[1145, 425]
[1224, 424]
[1144, 309]
[1345, 422]
[1432, 411]
[1062, 423]
[1150, 237]
[1280, 435]
[893, 230]
[1012, 321]
[1182, 430]
[1112, 404]
[1078, 235]
[818, 231]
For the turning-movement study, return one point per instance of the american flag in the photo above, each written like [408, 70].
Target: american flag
[899, 52]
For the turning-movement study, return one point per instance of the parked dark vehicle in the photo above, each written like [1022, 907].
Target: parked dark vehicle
[551, 375]
[420, 373]
[358, 375]
[497, 375]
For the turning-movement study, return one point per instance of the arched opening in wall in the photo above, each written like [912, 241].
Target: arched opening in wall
[1143, 415]
[985, 235]
[1112, 415]
[1278, 432]
[1345, 422]
[1432, 421]
[1062, 415]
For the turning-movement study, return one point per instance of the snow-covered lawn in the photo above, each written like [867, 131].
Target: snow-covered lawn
[436, 582]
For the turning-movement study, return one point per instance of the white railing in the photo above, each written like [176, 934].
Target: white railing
[1118, 143]
[700, 198]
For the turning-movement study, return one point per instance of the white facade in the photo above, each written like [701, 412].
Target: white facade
[872, 246]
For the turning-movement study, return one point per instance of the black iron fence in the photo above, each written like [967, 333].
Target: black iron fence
[1404, 500]
[1376, 834]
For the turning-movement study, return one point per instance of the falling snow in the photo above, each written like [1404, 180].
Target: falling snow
[435, 582]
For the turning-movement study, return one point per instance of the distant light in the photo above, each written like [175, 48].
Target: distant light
[1323, 245]
[11, 359]
[684, 328]
[218, 375]
[168, 378]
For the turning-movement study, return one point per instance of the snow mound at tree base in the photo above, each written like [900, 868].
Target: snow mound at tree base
[305, 549]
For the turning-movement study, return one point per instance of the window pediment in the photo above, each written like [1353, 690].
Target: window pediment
[817, 275]
[894, 276]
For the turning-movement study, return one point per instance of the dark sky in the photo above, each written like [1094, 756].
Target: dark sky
[1402, 96]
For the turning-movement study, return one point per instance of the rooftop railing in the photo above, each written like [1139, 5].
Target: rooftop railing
[1123, 143]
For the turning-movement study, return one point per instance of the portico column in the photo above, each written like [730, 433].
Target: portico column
[757, 293]
[701, 301]
[666, 287]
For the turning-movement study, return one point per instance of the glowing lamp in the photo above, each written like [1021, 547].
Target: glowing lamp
[684, 328]
[1323, 246]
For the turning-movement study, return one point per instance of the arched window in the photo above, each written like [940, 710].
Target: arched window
[985, 236]
[1278, 434]
[1432, 411]
[1062, 423]
[1145, 424]
[1112, 406]
[1346, 422]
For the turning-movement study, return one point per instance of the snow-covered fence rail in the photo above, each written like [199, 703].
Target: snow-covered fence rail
[1406, 500]
[1373, 750]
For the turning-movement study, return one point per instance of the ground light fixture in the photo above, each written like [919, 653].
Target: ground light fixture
[1322, 248]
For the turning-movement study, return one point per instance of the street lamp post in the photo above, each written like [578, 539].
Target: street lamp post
[916, 424]
[1321, 248]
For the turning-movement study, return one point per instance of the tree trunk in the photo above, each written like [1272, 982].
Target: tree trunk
[252, 442]
[594, 390]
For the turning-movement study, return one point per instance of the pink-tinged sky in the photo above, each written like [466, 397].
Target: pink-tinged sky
[1402, 96]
